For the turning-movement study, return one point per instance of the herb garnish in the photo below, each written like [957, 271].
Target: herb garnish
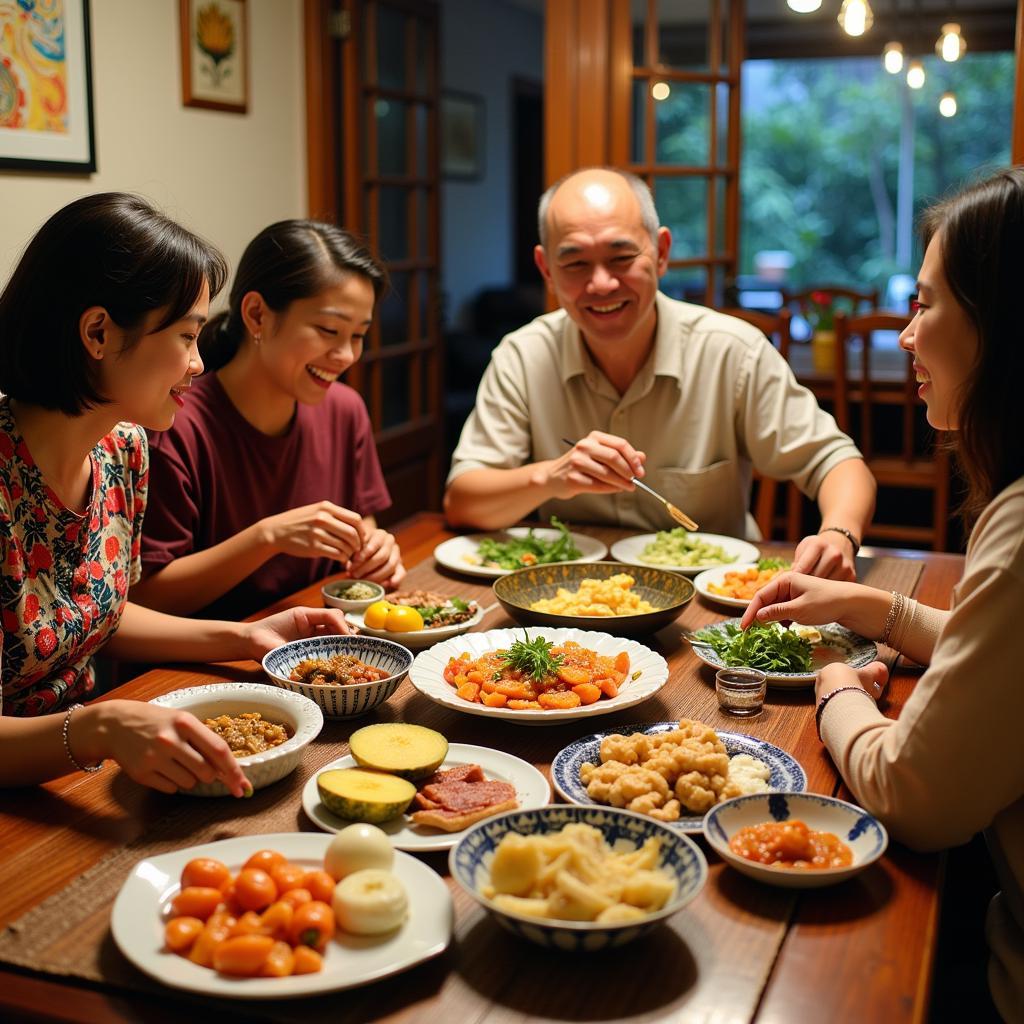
[529, 550]
[767, 647]
[532, 657]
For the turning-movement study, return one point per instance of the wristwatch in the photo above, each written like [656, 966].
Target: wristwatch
[846, 533]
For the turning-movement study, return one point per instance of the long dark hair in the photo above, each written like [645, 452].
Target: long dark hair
[292, 259]
[981, 235]
[112, 250]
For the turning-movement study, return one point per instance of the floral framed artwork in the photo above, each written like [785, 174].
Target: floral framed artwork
[462, 135]
[46, 121]
[215, 55]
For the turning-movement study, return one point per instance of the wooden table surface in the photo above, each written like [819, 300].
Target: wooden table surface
[740, 952]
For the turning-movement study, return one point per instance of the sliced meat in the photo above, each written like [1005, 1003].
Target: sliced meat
[461, 773]
[462, 796]
[456, 821]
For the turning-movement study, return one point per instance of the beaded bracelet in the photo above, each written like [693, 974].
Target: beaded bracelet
[890, 620]
[67, 745]
[846, 533]
[828, 696]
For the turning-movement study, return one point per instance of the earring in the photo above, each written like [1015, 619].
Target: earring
[257, 338]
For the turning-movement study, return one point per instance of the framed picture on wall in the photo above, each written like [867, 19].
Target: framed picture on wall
[46, 87]
[462, 135]
[215, 55]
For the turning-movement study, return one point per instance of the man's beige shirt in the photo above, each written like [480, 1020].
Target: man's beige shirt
[713, 399]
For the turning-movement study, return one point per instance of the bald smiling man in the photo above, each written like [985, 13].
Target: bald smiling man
[682, 397]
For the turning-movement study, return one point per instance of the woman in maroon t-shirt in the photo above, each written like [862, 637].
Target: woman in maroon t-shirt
[269, 479]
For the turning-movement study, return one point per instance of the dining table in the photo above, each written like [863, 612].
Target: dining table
[742, 951]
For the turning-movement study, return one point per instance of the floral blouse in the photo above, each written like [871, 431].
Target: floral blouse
[64, 576]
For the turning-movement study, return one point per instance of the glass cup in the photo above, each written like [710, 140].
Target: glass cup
[741, 691]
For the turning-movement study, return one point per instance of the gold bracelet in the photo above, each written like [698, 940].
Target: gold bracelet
[890, 620]
[67, 744]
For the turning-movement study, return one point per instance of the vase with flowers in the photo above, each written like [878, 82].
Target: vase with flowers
[821, 314]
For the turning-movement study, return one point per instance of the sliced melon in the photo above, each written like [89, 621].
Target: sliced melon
[364, 796]
[411, 751]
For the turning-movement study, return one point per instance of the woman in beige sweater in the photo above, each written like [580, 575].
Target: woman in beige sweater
[946, 768]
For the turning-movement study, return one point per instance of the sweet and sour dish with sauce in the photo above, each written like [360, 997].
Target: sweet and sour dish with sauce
[339, 670]
[743, 584]
[791, 844]
[537, 675]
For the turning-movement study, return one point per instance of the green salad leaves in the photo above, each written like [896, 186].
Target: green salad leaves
[771, 648]
[519, 552]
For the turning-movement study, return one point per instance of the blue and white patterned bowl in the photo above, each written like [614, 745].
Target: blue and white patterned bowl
[470, 860]
[341, 701]
[787, 774]
[864, 834]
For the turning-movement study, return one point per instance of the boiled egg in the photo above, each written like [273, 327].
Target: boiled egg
[356, 848]
[370, 902]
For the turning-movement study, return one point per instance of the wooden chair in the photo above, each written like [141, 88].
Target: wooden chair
[775, 326]
[899, 464]
[801, 299]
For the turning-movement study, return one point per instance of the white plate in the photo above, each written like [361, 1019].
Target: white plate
[787, 774]
[629, 548]
[532, 790]
[427, 672]
[139, 914]
[837, 644]
[717, 576]
[458, 554]
[417, 639]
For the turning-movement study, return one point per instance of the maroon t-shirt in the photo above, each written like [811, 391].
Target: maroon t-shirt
[213, 474]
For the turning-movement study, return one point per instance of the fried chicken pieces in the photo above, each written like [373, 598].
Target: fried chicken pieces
[662, 774]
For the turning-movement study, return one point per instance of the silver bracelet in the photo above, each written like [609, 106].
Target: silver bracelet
[67, 744]
[890, 620]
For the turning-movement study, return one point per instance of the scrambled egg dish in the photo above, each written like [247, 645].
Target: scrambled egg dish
[611, 596]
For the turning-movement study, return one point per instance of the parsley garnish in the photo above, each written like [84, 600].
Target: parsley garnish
[532, 657]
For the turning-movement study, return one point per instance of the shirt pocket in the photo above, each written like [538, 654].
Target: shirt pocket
[715, 497]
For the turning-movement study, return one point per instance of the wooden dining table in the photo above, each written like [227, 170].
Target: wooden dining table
[740, 952]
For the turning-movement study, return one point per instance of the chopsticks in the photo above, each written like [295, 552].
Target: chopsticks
[676, 513]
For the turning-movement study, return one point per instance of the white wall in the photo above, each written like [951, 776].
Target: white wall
[223, 175]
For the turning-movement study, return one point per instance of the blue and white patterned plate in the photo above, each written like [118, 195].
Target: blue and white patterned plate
[865, 835]
[469, 863]
[787, 775]
[341, 701]
[837, 644]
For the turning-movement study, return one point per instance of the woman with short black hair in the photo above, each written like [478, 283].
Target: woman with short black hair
[99, 326]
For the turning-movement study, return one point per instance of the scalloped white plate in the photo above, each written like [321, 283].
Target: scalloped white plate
[460, 553]
[532, 790]
[629, 550]
[427, 672]
[138, 918]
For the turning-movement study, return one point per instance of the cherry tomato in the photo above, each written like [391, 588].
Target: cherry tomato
[313, 925]
[307, 960]
[296, 897]
[250, 923]
[277, 919]
[181, 932]
[243, 955]
[209, 939]
[320, 885]
[196, 901]
[265, 860]
[280, 963]
[206, 872]
[254, 889]
[288, 876]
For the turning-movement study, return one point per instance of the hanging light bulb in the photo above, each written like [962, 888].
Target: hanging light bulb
[892, 58]
[915, 74]
[661, 90]
[855, 17]
[803, 6]
[950, 44]
[947, 105]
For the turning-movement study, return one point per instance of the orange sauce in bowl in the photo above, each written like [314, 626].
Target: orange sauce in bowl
[791, 844]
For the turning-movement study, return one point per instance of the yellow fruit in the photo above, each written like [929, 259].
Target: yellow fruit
[403, 619]
[376, 614]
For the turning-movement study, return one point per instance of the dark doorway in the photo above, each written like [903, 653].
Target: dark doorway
[527, 173]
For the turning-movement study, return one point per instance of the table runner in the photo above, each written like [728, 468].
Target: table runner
[69, 933]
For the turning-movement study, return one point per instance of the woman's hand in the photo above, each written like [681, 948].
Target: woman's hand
[794, 597]
[873, 678]
[166, 748]
[379, 559]
[320, 530]
[263, 635]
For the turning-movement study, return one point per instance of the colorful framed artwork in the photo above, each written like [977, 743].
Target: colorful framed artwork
[46, 86]
[462, 135]
[215, 55]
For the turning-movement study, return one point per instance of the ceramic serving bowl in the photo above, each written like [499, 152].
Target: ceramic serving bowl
[300, 716]
[469, 863]
[864, 834]
[333, 595]
[667, 591]
[341, 701]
